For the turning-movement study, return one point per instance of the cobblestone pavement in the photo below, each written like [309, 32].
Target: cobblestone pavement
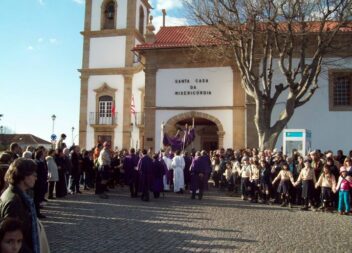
[175, 223]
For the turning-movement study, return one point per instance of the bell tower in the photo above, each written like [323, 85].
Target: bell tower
[110, 71]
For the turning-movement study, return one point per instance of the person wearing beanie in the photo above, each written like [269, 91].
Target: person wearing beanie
[344, 185]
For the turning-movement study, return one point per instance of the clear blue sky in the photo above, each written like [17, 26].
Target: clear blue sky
[41, 50]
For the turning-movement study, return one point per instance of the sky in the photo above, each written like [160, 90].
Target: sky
[40, 53]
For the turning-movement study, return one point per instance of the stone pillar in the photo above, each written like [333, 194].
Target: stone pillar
[150, 104]
[127, 96]
[83, 122]
[131, 26]
[239, 134]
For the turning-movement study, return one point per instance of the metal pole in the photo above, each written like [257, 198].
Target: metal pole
[73, 129]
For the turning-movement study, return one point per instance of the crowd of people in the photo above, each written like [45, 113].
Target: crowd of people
[29, 179]
[319, 181]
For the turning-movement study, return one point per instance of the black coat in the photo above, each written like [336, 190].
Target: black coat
[12, 205]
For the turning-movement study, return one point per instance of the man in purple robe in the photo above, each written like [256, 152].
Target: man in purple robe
[208, 167]
[145, 169]
[130, 163]
[186, 171]
[199, 169]
[157, 176]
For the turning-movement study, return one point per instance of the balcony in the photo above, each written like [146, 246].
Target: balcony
[138, 119]
[101, 119]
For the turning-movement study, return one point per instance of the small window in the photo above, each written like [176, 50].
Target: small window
[109, 15]
[141, 20]
[340, 90]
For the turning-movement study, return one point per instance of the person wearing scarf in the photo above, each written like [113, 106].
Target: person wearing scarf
[16, 203]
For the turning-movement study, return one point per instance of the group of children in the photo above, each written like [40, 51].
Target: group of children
[312, 181]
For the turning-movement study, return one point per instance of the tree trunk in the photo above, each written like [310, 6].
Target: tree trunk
[267, 134]
[267, 139]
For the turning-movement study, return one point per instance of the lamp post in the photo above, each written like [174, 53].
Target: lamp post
[1, 129]
[73, 129]
[53, 117]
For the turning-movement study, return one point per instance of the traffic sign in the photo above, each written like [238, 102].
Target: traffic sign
[53, 137]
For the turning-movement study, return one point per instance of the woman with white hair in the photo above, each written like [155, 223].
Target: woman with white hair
[53, 173]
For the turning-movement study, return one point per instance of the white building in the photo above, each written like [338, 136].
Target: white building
[172, 88]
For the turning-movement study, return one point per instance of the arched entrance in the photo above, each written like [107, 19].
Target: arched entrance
[209, 130]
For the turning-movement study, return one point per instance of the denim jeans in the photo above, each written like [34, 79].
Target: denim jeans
[344, 201]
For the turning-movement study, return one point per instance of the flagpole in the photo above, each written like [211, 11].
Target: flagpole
[184, 138]
[162, 135]
[193, 130]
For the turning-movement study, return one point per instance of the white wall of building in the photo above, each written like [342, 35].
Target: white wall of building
[216, 82]
[113, 81]
[121, 20]
[107, 52]
[330, 129]
[139, 4]
[224, 116]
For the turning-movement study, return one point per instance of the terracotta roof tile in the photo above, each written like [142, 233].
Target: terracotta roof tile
[187, 36]
[182, 36]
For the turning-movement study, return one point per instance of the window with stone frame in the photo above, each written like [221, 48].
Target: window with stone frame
[141, 20]
[106, 110]
[340, 83]
[109, 15]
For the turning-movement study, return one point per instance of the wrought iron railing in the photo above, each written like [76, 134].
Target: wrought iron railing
[138, 118]
[96, 118]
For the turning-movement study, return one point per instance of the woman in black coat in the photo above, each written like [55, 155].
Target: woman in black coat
[15, 203]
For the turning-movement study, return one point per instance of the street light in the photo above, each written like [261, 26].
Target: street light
[53, 117]
[1, 129]
[73, 129]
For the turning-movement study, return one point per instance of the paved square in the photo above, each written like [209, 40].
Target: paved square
[86, 223]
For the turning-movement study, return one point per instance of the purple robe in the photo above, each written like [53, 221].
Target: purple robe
[199, 165]
[186, 170]
[145, 169]
[157, 176]
[130, 164]
[179, 143]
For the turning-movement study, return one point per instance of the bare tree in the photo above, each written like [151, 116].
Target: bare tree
[257, 34]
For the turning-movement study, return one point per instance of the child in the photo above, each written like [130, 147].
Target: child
[327, 182]
[286, 178]
[245, 173]
[265, 181]
[307, 176]
[228, 175]
[11, 236]
[255, 180]
[343, 186]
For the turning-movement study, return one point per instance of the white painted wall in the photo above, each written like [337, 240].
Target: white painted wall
[220, 84]
[107, 52]
[330, 129]
[139, 3]
[121, 20]
[95, 82]
[224, 116]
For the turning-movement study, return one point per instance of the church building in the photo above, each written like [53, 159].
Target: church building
[137, 85]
